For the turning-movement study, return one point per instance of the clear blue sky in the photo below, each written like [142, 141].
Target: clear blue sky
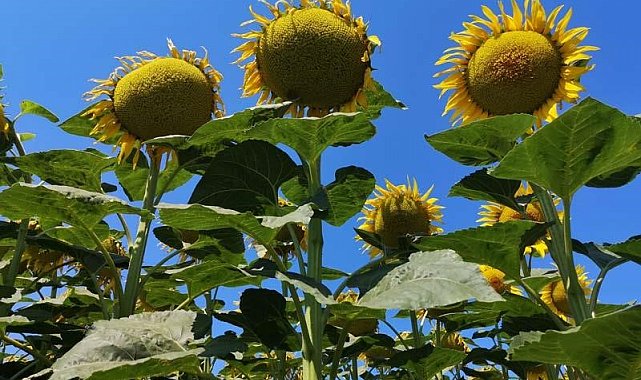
[51, 49]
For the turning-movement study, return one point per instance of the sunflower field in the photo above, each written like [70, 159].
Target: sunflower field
[154, 233]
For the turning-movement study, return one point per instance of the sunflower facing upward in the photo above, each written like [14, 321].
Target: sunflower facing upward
[316, 55]
[523, 63]
[397, 211]
[151, 96]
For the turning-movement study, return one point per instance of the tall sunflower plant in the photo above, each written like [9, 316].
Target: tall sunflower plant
[85, 294]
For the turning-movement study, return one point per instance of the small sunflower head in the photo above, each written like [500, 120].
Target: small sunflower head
[454, 341]
[356, 327]
[316, 55]
[151, 96]
[537, 373]
[555, 296]
[496, 279]
[492, 213]
[521, 63]
[400, 210]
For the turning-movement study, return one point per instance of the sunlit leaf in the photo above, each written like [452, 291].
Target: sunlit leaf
[134, 181]
[482, 142]
[430, 279]
[607, 347]
[28, 107]
[629, 249]
[589, 140]
[80, 125]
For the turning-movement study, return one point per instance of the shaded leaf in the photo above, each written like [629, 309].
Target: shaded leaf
[264, 311]
[347, 194]
[601, 256]
[82, 126]
[245, 177]
[427, 361]
[482, 142]
[430, 279]
[227, 346]
[607, 347]
[629, 249]
[134, 181]
[210, 274]
[589, 140]
[28, 107]
[481, 186]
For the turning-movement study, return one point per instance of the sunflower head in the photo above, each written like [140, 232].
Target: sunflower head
[492, 213]
[555, 296]
[399, 210]
[356, 327]
[316, 55]
[527, 62]
[454, 341]
[4, 124]
[151, 96]
[537, 373]
[496, 279]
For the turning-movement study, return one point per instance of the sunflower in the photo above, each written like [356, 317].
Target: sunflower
[496, 279]
[4, 124]
[357, 326]
[397, 211]
[524, 63]
[492, 213]
[454, 341]
[554, 295]
[151, 96]
[316, 55]
[283, 244]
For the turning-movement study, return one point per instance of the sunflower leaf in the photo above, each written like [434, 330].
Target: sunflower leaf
[66, 167]
[427, 361]
[602, 257]
[607, 347]
[56, 204]
[429, 279]
[347, 194]
[80, 125]
[481, 186]
[377, 99]
[482, 142]
[211, 274]
[498, 246]
[28, 107]
[629, 249]
[310, 136]
[134, 181]
[588, 141]
[245, 177]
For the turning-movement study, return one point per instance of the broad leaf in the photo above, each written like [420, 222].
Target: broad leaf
[80, 125]
[601, 255]
[61, 204]
[66, 167]
[28, 107]
[347, 194]
[588, 141]
[480, 186]
[499, 246]
[309, 137]
[427, 361]
[134, 181]
[377, 99]
[245, 177]
[607, 347]
[210, 274]
[482, 142]
[430, 279]
[264, 312]
[629, 249]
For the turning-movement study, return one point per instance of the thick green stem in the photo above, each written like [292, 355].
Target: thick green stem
[561, 252]
[312, 366]
[137, 251]
[21, 245]
[338, 350]
[416, 332]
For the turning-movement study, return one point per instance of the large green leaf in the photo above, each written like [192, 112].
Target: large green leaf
[347, 194]
[309, 137]
[61, 204]
[427, 361]
[210, 274]
[377, 99]
[429, 279]
[28, 107]
[80, 125]
[66, 167]
[482, 142]
[607, 347]
[629, 249]
[481, 186]
[245, 177]
[264, 312]
[588, 141]
[498, 246]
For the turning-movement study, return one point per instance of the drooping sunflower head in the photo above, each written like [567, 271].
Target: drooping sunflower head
[454, 341]
[555, 296]
[399, 210]
[526, 62]
[150, 96]
[492, 213]
[496, 279]
[316, 55]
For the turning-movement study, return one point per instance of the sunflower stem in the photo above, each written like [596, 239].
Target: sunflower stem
[137, 251]
[338, 350]
[312, 365]
[533, 294]
[416, 333]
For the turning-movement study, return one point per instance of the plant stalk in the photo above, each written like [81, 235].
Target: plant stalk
[137, 251]
[312, 365]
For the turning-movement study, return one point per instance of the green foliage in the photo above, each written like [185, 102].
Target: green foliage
[28, 107]
[481, 186]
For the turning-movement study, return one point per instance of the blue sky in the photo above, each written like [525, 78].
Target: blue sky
[51, 49]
